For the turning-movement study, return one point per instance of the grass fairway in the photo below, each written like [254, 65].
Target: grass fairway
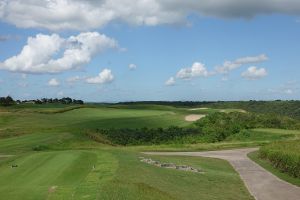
[56, 175]
[118, 175]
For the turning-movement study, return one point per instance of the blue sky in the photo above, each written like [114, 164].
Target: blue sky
[182, 57]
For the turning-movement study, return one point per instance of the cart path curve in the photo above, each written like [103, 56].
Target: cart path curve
[262, 184]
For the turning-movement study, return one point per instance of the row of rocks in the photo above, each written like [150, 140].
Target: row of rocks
[170, 165]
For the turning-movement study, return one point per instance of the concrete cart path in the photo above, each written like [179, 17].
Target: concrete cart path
[261, 184]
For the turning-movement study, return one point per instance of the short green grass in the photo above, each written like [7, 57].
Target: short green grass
[117, 175]
[55, 175]
[138, 180]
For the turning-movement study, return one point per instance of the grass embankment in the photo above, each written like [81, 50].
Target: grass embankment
[269, 167]
[39, 120]
[284, 156]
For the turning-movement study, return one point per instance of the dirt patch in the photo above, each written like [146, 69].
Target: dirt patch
[192, 118]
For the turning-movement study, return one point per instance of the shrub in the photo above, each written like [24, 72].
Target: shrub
[284, 156]
[146, 135]
[218, 126]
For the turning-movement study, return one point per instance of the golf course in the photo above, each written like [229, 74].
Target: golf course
[149, 100]
[55, 151]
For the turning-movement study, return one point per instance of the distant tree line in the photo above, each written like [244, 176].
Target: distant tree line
[7, 101]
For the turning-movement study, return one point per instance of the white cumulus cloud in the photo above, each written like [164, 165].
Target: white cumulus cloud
[196, 70]
[105, 76]
[91, 14]
[53, 82]
[254, 73]
[231, 65]
[171, 81]
[41, 54]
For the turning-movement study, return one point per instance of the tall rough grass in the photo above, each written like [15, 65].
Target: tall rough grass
[284, 156]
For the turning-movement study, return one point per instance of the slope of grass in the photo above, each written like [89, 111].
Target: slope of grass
[265, 134]
[269, 167]
[136, 180]
[17, 123]
[118, 174]
[284, 155]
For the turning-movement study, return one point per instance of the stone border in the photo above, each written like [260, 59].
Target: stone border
[170, 165]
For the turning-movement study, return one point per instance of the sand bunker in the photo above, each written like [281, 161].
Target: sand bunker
[192, 118]
[198, 109]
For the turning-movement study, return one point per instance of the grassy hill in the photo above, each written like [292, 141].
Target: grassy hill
[57, 160]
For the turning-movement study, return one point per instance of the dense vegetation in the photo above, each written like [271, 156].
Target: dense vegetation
[279, 107]
[147, 135]
[284, 156]
[216, 127]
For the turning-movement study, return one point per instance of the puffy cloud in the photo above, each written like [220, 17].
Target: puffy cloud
[41, 52]
[132, 66]
[231, 65]
[105, 76]
[53, 82]
[87, 14]
[197, 69]
[254, 73]
[171, 81]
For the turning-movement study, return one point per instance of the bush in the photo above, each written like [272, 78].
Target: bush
[217, 127]
[284, 156]
[146, 135]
